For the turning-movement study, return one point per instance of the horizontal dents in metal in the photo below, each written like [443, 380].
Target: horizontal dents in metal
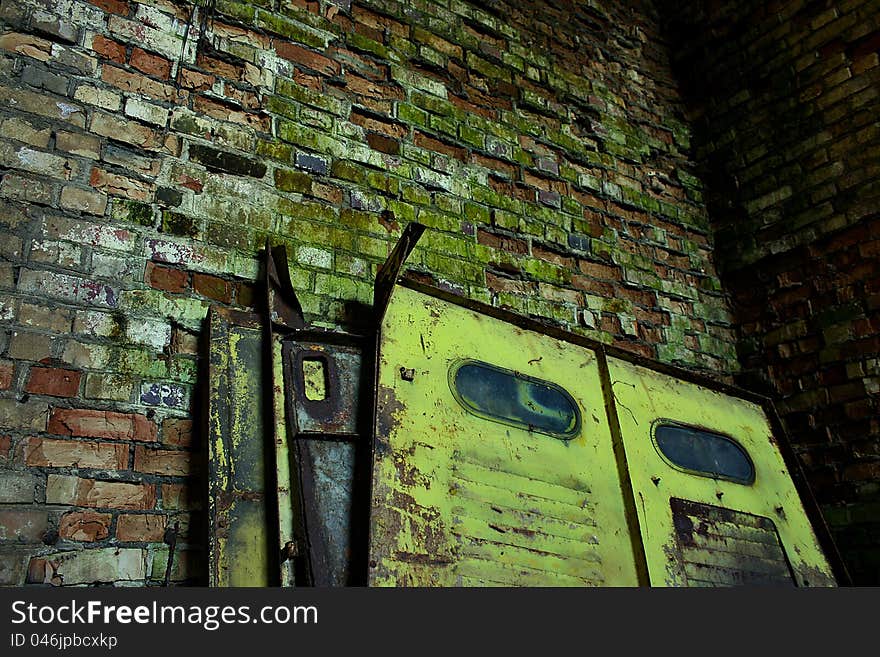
[391, 471]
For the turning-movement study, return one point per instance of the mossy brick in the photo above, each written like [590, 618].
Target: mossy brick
[382, 182]
[310, 211]
[308, 96]
[139, 362]
[515, 302]
[304, 15]
[183, 370]
[328, 237]
[282, 107]
[374, 247]
[472, 136]
[242, 11]
[438, 220]
[274, 150]
[675, 288]
[293, 30]
[348, 170]
[412, 115]
[477, 213]
[547, 272]
[226, 162]
[293, 181]
[453, 268]
[175, 223]
[318, 118]
[431, 103]
[310, 138]
[132, 212]
[490, 197]
[447, 244]
[446, 125]
[154, 303]
[403, 212]
[448, 203]
[365, 44]
[342, 287]
[491, 71]
[417, 154]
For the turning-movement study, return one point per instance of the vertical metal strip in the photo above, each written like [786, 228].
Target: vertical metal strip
[626, 488]
[284, 497]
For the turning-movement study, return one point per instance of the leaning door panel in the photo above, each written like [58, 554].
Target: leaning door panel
[716, 503]
[493, 462]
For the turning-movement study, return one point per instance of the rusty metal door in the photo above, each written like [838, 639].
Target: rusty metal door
[714, 498]
[493, 458]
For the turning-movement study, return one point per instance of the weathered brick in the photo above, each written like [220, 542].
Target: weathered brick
[225, 162]
[109, 49]
[102, 565]
[101, 424]
[177, 432]
[23, 525]
[163, 461]
[65, 489]
[150, 64]
[117, 185]
[166, 278]
[83, 200]
[53, 381]
[140, 527]
[46, 452]
[85, 526]
[19, 487]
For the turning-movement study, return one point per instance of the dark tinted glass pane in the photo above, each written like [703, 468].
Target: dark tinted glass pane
[515, 399]
[706, 453]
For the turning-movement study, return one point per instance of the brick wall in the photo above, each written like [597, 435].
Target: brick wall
[784, 99]
[148, 149]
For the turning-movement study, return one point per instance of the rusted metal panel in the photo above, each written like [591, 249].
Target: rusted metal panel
[715, 546]
[754, 507]
[240, 523]
[461, 498]
[327, 470]
[324, 399]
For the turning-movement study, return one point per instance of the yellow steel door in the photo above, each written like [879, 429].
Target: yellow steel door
[493, 458]
[715, 501]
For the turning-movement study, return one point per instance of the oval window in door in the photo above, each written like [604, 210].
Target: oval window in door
[505, 396]
[703, 452]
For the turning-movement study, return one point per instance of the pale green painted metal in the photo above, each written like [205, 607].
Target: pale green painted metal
[240, 533]
[643, 398]
[462, 500]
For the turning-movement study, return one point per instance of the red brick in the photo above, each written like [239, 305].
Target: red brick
[375, 124]
[150, 64]
[307, 58]
[137, 83]
[101, 424]
[179, 496]
[140, 527]
[163, 461]
[502, 242]
[5, 446]
[112, 6]
[6, 371]
[46, 452]
[195, 79]
[86, 526]
[424, 141]
[212, 287]
[52, 381]
[63, 489]
[110, 49]
[383, 144]
[177, 432]
[164, 278]
[117, 185]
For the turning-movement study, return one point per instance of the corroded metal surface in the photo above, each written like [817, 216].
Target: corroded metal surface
[722, 547]
[327, 472]
[330, 406]
[462, 500]
[645, 399]
[240, 527]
